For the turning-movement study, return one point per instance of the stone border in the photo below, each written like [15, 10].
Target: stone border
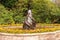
[34, 34]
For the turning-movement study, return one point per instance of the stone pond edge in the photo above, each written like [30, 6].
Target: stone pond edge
[34, 34]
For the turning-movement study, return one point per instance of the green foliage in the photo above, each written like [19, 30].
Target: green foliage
[5, 16]
[8, 3]
[21, 7]
[44, 11]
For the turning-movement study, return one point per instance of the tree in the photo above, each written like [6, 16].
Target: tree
[8, 3]
[44, 11]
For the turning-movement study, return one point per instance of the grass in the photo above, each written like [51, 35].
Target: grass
[39, 29]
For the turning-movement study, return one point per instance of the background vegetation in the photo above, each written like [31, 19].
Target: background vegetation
[44, 11]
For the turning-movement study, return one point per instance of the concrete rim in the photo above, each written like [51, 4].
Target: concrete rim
[34, 34]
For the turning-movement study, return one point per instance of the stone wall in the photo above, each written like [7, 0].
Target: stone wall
[35, 36]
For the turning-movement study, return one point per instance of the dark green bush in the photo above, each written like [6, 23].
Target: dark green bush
[8, 3]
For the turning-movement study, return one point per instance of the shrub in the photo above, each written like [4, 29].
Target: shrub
[5, 16]
[8, 3]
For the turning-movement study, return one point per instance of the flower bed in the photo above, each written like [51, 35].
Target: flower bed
[19, 31]
[41, 28]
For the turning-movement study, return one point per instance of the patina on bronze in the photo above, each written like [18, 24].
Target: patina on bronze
[29, 22]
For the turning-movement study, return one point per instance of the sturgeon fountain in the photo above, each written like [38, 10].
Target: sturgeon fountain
[30, 23]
